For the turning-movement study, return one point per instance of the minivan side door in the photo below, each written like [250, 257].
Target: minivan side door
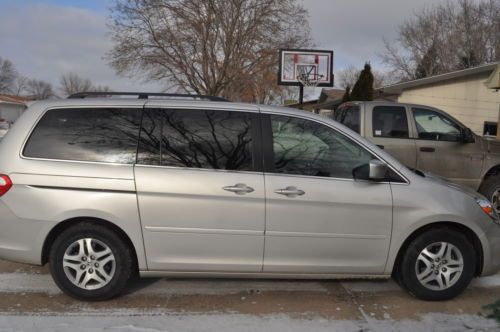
[388, 127]
[441, 151]
[200, 189]
[318, 218]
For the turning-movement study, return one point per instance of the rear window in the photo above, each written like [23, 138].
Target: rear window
[390, 121]
[349, 116]
[99, 135]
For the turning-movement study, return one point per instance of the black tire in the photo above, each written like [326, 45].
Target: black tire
[407, 273]
[122, 254]
[489, 187]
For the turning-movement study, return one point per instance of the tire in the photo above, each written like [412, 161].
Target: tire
[96, 275]
[489, 189]
[431, 288]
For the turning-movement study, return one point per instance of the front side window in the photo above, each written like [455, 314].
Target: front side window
[209, 139]
[86, 134]
[434, 126]
[305, 147]
[349, 116]
[390, 121]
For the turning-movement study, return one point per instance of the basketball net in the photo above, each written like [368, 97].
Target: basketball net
[307, 78]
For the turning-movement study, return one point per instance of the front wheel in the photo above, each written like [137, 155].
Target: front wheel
[490, 188]
[438, 265]
[90, 262]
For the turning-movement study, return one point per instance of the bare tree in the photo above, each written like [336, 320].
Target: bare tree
[446, 37]
[8, 76]
[72, 83]
[39, 90]
[348, 76]
[206, 46]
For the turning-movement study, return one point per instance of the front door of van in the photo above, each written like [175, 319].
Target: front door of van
[318, 219]
[200, 190]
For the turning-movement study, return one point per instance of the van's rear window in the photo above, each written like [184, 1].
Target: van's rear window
[86, 134]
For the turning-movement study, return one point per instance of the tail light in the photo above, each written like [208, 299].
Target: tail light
[5, 184]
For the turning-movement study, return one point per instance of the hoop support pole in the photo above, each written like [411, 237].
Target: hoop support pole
[301, 94]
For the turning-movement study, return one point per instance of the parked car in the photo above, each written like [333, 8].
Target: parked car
[103, 189]
[4, 128]
[428, 139]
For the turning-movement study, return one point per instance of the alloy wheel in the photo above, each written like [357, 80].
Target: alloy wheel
[89, 264]
[439, 266]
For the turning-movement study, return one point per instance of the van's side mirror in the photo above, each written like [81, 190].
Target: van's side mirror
[375, 170]
[467, 136]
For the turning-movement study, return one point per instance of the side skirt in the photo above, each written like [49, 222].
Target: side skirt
[257, 275]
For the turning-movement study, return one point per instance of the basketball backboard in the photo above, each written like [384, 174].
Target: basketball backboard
[297, 66]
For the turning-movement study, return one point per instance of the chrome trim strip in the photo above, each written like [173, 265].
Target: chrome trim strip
[114, 191]
[203, 230]
[325, 235]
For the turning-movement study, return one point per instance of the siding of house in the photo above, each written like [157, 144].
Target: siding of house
[466, 98]
[11, 112]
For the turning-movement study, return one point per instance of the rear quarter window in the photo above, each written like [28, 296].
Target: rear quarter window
[106, 135]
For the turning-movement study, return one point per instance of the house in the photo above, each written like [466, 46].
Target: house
[11, 107]
[470, 95]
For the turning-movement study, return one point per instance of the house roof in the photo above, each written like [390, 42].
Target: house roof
[399, 87]
[16, 100]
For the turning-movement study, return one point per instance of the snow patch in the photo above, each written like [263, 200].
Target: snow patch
[238, 323]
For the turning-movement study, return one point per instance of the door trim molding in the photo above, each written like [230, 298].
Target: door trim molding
[203, 230]
[325, 235]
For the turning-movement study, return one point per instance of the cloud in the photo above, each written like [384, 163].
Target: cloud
[355, 29]
[49, 38]
[45, 41]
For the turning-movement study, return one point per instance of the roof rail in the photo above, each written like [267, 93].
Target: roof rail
[143, 95]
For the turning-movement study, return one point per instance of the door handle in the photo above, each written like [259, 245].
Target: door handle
[239, 189]
[381, 146]
[290, 191]
[427, 149]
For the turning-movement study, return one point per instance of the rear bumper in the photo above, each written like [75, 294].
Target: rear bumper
[21, 240]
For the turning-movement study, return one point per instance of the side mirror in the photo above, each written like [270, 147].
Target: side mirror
[375, 170]
[467, 136]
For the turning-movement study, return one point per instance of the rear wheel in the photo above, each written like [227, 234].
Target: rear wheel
[90, 262]
[437, 265]
[490, 188]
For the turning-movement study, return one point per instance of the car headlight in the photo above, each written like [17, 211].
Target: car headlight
[487, 208]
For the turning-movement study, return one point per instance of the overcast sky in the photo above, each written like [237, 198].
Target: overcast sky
[46, 38]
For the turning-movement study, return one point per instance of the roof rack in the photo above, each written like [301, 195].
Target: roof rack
[144, 95]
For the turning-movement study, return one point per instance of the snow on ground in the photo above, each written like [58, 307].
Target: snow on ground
[128, 322]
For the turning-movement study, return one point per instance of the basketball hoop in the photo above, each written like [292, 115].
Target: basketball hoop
[308, 75]
[309, 80]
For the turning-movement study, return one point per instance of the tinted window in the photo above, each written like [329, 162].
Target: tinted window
[308, 148]
[390, 121]
[349, 116]
[100, 135]
[197, 139]
[432, 125]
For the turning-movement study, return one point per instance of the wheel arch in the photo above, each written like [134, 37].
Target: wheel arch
[468, 232]
[492, 171]
[62, 226]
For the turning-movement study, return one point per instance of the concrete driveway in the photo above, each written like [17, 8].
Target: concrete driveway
[28, 294]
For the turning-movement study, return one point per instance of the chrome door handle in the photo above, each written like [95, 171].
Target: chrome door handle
[239, 189]
[290, 191]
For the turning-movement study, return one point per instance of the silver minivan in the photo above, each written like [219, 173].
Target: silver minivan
[103, 189]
